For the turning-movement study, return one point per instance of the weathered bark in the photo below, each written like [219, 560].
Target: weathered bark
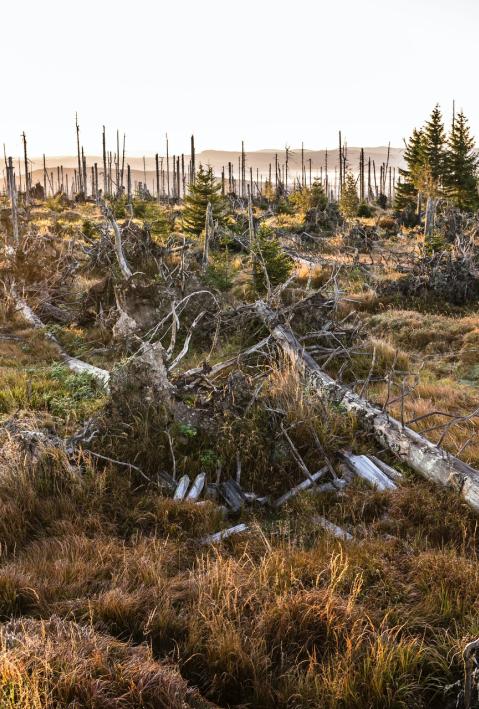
[196, 488]
[430, 461]
[224, 534]
[182, 488]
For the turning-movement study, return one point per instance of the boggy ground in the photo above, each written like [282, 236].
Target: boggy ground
[107, 596]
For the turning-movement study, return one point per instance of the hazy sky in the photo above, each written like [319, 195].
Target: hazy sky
[268, 71]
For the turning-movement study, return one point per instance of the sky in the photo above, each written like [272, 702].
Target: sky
[269, 72]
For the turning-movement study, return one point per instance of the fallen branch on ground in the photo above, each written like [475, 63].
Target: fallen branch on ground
[76, 365]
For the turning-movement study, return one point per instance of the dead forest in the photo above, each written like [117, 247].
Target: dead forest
[239, 459]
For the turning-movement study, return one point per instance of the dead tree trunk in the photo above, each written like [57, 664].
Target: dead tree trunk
[430, 461]
[122, 262]
[12, 188]
[251, 230]
[209, 231]
[80, 171]
[27, 171]
[105, 172]
[431, 205]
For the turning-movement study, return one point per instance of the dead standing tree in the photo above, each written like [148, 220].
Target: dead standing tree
[209, 235]
[122, 262]
[12, 192]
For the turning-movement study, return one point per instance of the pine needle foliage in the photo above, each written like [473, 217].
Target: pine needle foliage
[205, 189]
[462, 163]
[271, 265]
[349, 200]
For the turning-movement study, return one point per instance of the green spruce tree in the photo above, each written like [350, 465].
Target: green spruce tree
[349, 200]
[307, 198]
[319, 199]
[204, 189]
[271, 265]
[462, 165]
[411, 176]
[431, 177]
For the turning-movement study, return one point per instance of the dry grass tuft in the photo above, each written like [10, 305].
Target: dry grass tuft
[57, 663]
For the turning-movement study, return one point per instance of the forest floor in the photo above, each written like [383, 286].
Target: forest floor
[109, 595]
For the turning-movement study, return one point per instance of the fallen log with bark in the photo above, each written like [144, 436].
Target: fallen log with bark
[76, 365]
[430, 461]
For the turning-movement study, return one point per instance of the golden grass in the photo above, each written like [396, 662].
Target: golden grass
[56, 663]
[264, 619]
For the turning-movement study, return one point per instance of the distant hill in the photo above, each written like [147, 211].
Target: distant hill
[258, 160]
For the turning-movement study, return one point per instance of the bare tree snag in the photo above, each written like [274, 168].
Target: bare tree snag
[251, 230]
[209, 234]
[430, 461]
[12, 189]
[122, 262]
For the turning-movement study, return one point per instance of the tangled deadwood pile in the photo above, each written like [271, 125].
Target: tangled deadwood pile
[361, 237]
[450, 275]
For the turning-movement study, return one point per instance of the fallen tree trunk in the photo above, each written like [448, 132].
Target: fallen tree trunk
[76, 365]
[430, 461]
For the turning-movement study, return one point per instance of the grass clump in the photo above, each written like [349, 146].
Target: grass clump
[53, 389]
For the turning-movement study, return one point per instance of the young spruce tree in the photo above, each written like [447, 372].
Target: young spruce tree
[204, 189]
[462, 165]
[271, 265]
[433, 172]
[349, 200]
[411, 176]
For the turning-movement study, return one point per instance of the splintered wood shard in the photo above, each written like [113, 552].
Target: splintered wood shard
[387, 469]
[196, 488]
[369, 471]
[430, 461]
[305, 485]
[224, 534]
[232, 494]
[333, 529]
[182, 488]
